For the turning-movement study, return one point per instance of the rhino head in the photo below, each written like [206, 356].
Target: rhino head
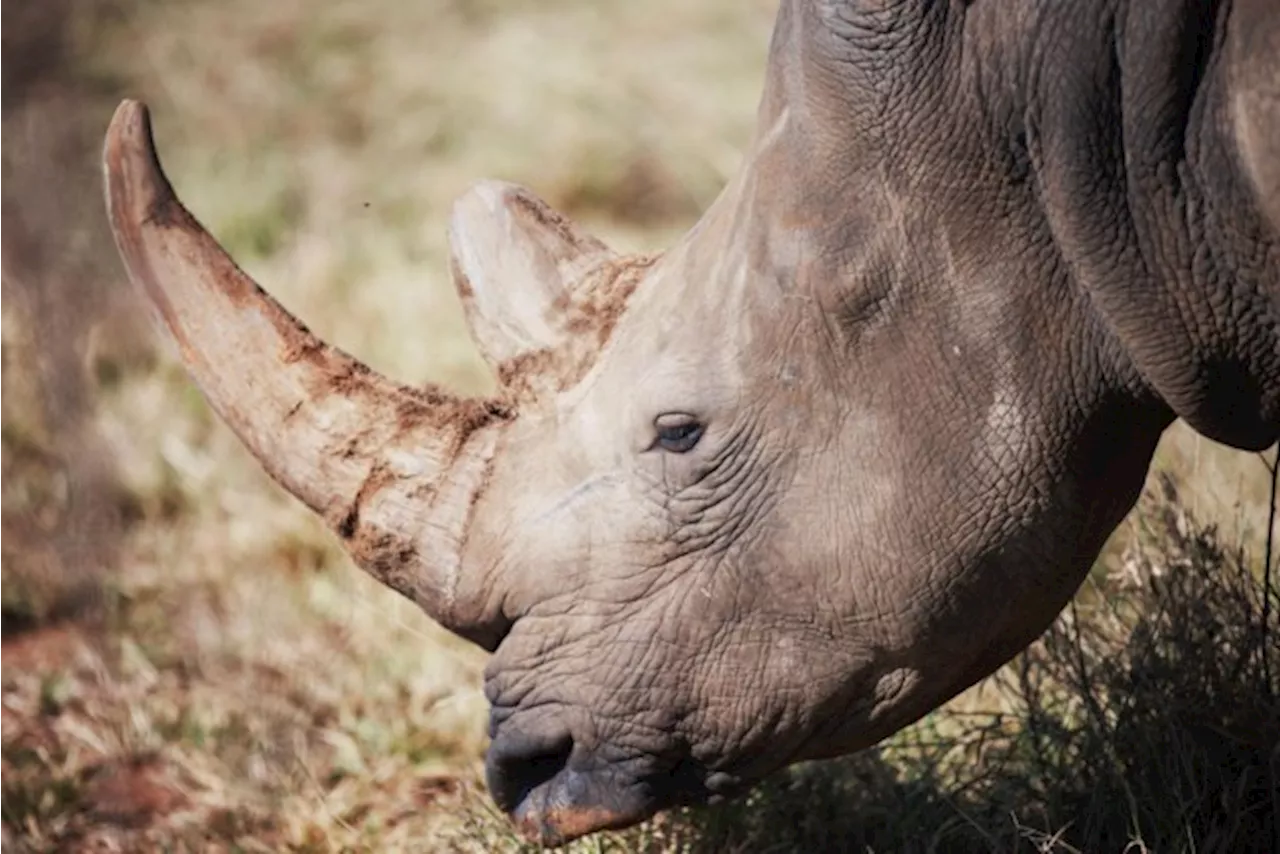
[770, 496]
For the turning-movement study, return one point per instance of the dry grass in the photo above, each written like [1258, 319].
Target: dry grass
[191, 664]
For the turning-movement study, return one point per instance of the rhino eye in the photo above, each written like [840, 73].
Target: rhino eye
[677, 432]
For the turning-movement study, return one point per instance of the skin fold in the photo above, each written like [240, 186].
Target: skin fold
[845, 448]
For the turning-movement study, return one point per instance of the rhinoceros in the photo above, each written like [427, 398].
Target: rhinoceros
[846, 447]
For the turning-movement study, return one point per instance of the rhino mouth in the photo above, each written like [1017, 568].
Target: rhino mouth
[555, 791]
[575, 803]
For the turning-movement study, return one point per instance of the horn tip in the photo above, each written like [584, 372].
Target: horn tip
[130, 129]
[136, 187]
[131, 109]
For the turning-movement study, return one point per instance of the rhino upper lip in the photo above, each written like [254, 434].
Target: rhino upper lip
[556, 792]
[518, 765]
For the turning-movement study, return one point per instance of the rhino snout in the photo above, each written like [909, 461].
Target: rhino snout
[556, 789]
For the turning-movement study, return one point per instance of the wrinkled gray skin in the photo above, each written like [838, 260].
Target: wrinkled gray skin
[978, 257]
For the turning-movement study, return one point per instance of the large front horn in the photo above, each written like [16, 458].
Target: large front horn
[394, 470]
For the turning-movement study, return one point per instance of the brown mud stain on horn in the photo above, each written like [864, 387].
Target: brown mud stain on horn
[389, 558]
[433, 406]
[461, 282]
[384, 555]
[589, 317]
[544, 215]
[415, 406]
[167, 212]
[517, 373]
[598, 311]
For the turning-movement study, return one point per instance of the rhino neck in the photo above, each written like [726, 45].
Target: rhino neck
[1108, 142]
[1151, 210]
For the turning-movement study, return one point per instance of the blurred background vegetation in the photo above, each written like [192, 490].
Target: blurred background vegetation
[190, 663]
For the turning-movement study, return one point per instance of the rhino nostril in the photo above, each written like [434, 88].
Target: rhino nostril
[517, 764]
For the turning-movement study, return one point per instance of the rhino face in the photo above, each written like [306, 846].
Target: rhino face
[759, 500]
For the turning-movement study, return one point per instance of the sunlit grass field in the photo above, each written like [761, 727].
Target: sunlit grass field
[190, 661]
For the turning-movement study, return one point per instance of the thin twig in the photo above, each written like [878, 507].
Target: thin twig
[1267, 563]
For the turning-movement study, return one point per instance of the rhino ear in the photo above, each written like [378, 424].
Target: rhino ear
[515, 263]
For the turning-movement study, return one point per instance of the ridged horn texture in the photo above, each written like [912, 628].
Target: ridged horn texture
[394, 470]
